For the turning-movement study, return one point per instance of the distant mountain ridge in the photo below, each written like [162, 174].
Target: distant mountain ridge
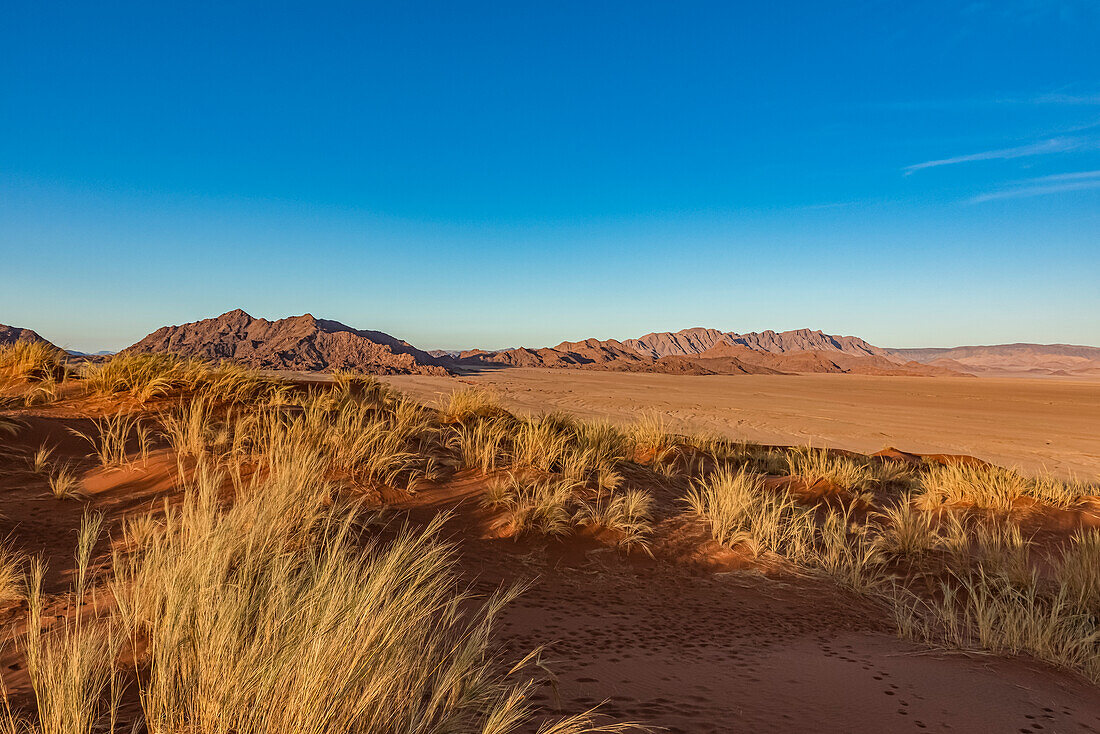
[698, 340]
[705, 351]
[1009, 359]
[307, 343]
[302, 343]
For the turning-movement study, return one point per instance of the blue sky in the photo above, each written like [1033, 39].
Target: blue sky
[495, 174]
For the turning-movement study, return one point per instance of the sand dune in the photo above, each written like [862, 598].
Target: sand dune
[1034, 424]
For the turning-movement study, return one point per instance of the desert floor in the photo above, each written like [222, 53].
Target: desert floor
[664, 641]
[1034, 424]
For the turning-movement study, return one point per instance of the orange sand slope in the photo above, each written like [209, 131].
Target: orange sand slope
[1032, 424]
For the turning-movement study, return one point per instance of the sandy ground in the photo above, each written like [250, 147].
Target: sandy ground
[663, 643]
[1034, 424]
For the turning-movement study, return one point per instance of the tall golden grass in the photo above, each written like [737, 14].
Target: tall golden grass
[272, 609]
[740, 511]
[994, 488]
[819, 465]
[149, 376]
[113, 437]
[35, 361]
[266, 605]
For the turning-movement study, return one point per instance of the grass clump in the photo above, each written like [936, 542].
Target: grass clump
[113, 437]
[542, 443]
[815, 466]
[989, 612]
[907, 532]
[64, 483]
[149, 376]
[11, 576]
[989, 487]
[542, 506]
[33, 361]
[72, 666]
[40, 459]
[272, 615]
[480, 445]
[145, 376]
[1079, 571]
[740, 511]
[463, 406]
[364, 388]
[628, 513]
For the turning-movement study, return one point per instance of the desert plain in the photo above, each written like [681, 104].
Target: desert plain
[1044, 424]
[240, 525]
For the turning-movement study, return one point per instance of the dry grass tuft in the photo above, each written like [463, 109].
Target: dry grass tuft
[542, 506]
[819, 465]
[113, 437]
[72, 665]
[907, 532]
[269, 615]
[363, 388]
[989, 612]
[480, 445]
[994, 488]
[463, 406]
[149, 376]
[65, 483]
[541, 443]
[1079, 571]
[145, 376]
[11, 576]
[40, 460]
[740, 511]
[33, 361]
[627, 513]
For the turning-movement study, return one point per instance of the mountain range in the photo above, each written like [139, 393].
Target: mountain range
[307, 343]
[302, 343]
[710, 351]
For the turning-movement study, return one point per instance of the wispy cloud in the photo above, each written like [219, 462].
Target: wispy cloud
[1061, 99]
[1059, 177]
[1043, 147]
[1043, 185]
[1046, 99]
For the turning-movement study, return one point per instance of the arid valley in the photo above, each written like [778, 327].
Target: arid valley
[1037, 424]
[507, 367]
[796, 531]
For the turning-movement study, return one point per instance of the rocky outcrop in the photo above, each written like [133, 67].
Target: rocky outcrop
[302, 343]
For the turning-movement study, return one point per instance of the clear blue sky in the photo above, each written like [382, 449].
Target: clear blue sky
[496, 174]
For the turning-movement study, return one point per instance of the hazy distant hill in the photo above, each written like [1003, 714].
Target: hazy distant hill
[1049, 359]
[296, 343]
